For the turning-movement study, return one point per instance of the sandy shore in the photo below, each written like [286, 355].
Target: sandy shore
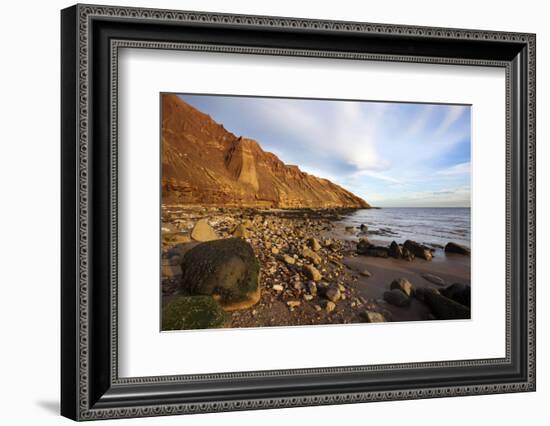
[286, 296]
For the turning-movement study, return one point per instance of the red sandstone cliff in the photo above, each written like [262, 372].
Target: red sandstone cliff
[202, 163]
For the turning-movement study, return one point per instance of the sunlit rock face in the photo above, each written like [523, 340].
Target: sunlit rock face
[204, 164]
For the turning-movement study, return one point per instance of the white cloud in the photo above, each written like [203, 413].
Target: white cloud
[453, 115]
[457, 169]
[349, 135]
[376, 175]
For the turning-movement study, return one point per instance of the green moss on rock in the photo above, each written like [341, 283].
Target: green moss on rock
[194, 312]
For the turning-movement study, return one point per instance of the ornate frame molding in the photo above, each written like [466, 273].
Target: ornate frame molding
[87, 408]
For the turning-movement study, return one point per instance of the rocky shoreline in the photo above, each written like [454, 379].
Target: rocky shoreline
[306, 273]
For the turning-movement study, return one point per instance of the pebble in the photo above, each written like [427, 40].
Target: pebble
[333, 294]
[330, 306]
[293, 303]
[312, 272]
[289, 260]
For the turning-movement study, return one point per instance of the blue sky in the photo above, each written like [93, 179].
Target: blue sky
[390, 154]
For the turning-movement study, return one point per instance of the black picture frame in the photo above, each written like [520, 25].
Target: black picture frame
[90, 386]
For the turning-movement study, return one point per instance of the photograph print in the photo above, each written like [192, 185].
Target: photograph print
[280, 212]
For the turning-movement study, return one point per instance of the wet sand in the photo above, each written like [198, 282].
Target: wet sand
[451, 268]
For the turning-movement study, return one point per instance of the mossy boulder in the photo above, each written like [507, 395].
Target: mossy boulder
[193, 313]
[225, 269]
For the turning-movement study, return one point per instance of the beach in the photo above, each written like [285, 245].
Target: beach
[325, 266]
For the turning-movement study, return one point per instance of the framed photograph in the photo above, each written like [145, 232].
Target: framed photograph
[263, 212]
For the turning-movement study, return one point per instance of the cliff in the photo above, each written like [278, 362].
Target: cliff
[202, 163]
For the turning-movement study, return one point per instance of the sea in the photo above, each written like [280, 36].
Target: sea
[430, 226]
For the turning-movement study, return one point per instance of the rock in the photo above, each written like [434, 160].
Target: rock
[365, 273]
[418, 249]
[293, 303]
[169, 270]
[289, 260]
[312, 272]
[202, 231]
[194, 312]
[314, 244]
[457, 248]
[308, 297]
[363, 245]
[175, 237]
[397, 298]
[310, 254]
[395, 250]
[407, 255]
[364, 228]
[333, 293]
[277, 287]
[311, 288]
[298, 285]
[225, 269]
[420, 293]
[241, 232]
[375, 251]
[180, 249]
[444, 308]
[274, 250]
[330, 306]
[372, 316]
[404, 285]
[349, 229]
[434, 279]
[317, 308]
[460, 293]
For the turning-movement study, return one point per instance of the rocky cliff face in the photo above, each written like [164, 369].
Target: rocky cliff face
[202, 163]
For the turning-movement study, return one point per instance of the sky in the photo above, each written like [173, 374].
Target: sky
[390, 154]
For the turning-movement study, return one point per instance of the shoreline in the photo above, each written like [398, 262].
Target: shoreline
[286, 296]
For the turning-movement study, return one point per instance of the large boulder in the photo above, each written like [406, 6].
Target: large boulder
[458, 292]
[202, 231]
[444, 308]
[225, 269]
[457, 248]
[404, 285]
[418, 250]
[397, 298]
[194, 312]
